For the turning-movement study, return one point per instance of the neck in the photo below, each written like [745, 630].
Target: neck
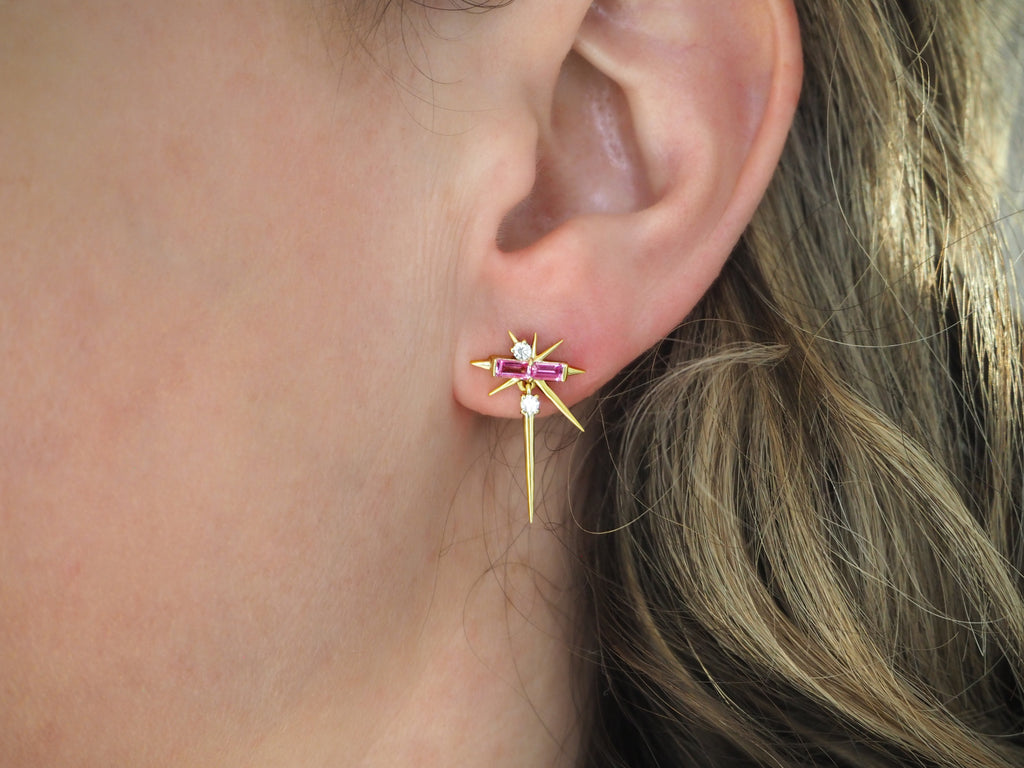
[483, 672]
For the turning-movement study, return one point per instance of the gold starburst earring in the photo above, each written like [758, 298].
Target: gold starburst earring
[528, 370]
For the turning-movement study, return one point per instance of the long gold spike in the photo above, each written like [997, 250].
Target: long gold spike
[528, 437]
[543, 386]
[514, 339]
[549, 350]
[506, 385]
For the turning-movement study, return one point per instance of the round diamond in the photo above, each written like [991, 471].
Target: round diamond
[529, 405]
[522, 351]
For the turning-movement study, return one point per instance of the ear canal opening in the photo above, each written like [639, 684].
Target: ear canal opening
[588, 158]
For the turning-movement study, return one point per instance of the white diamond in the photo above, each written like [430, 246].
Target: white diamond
[522, 351]
[529, 405]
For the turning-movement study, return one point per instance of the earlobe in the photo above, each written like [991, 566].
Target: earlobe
[666, 125]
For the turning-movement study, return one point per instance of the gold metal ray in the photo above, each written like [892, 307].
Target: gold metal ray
[487, 365]
[528, 439]
[543, 386]
[548, 351]
[501, 387]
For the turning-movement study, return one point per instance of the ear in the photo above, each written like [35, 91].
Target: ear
[666, 124]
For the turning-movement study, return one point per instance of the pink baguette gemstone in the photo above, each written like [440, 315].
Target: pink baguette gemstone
[511, 369]
[516, 369]
[545, 371]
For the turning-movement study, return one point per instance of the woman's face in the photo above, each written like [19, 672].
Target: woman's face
[247, 251]
[228, 244]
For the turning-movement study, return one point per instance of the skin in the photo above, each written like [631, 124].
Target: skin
[256, 507]
[226, 539]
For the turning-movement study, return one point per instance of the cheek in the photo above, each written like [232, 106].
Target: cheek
[201, 393]
[174, 508]
[184, 444]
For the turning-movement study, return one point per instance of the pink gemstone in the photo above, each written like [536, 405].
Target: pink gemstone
[507, 368]
[545, 371]
[511, 369]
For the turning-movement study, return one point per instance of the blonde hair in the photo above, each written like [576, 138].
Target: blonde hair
[805, 506]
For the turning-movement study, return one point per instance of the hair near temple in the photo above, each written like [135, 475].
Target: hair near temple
[804, 509]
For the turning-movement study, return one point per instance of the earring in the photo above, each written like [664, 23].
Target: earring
[528, 370]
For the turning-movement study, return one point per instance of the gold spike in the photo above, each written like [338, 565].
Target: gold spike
[502, 387]
[543, 386]
[487, 365]
[549, 350]
[528, 438]
[570, 371]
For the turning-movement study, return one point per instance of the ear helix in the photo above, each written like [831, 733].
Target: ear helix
[528, 370]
